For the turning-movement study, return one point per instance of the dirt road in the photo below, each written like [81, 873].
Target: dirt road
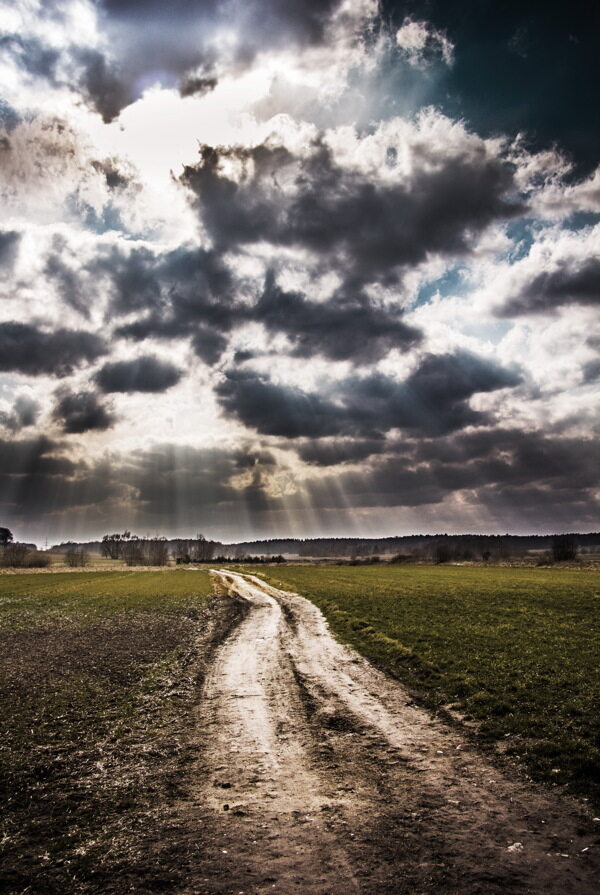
[317, 774]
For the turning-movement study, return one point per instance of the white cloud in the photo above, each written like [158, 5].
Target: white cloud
[420, 43]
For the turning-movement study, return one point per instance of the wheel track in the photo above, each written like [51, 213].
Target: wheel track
[319, 775]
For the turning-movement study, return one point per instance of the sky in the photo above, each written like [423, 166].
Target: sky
[322, 268]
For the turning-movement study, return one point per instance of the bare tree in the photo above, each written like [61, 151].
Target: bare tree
[202, 550]
[134, 553]
[158, 552]
[113, 545]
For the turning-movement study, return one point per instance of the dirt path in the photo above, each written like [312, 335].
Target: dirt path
[319, 775]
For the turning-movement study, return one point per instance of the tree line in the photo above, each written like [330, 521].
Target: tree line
[441, 548]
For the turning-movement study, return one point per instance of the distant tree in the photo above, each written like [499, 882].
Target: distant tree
[158, 552]
[202, 550]
[564, 548]
[442, 553]
[15, 555]
[6, 536]
[20, 556]
[76, 557]
[112, 546]
[134, 552]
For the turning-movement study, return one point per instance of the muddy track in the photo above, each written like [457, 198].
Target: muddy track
[317, 774]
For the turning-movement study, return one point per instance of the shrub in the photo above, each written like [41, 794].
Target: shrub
[20, 556]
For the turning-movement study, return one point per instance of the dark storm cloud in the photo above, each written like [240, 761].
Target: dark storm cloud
[305, 18]
[34, 456]
[24, 413]
[277, 410]
[342, 328]
[163, 473]
[66, 280]
[591, 371]
[175, 44]
[560, 508]
[39, 485]
[86, 69]
[26, 349]
[569, 284]
[433, 400]
[144, 374]
[333, 453]
[9, 243]
[186, 293]
[80, 412]
[191, 293]
[133, 281]
[102, 83]
[550, 473]
[391, 482]
[506, 471]
[181, 294]
[197, 86]
[26, 410]
[370, 228]
[142, 487]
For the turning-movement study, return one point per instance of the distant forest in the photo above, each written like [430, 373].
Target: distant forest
[467, 546]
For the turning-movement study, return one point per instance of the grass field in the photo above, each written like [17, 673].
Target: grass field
[515, 650]
[95, 678]
[100, 670]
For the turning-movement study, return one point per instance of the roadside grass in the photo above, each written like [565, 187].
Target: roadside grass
[514, 651]
[95, 681]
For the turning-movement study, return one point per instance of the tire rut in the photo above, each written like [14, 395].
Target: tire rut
[319, 775]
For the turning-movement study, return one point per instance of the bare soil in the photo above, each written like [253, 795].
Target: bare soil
[317, 774]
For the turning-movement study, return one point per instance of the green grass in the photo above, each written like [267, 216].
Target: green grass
[95, 681]
[82, 597]
[517, 650]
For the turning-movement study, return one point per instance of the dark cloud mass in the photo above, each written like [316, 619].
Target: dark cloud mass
[197, 86]
[511, 474]
[433, 400]
[342, 328]
[9, 243]
[82, 412]
[103, 84]
[33, 457]
[24, 413]
[191, 294]
[371, 227]
[26, 349]
[337, 451]
[144, 374]
[574, 283]
[177, 43]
